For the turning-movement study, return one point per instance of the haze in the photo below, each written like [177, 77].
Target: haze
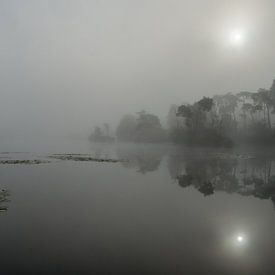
[68, 65]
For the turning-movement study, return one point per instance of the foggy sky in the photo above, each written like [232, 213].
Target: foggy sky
[68, 64]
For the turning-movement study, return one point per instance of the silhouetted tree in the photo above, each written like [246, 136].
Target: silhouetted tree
[201, 123]
[206, 104]
[144, 127]
[149, 128]
[263, 98]
[126, 129]
[98, 134]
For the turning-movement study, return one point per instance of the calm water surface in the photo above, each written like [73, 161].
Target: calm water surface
[167, 210]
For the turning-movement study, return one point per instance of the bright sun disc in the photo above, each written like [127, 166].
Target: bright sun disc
[236, 37]
[240, 239]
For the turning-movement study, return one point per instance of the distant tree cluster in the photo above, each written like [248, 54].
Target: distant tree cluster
[143, 127]
[199, 126]
[218, 121]
[225, 119]
[101, 134]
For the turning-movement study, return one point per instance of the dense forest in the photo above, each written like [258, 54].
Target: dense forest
[226, 119]
[223, 120]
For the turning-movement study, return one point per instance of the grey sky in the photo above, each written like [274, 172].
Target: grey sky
[66, 64]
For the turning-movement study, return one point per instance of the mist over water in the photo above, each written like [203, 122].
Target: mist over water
[163, 210]
[137, 137]
[68, 65]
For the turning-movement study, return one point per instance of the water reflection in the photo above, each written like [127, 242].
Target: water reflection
[239, 244]
[208, 172]
[167, 227]
[245, 176]
[100, 151]
[142, 158]
[4, 198]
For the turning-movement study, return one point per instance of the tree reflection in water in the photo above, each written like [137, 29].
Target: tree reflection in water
[205, 169]
[4, 197]
[245, 176]
[143, 158]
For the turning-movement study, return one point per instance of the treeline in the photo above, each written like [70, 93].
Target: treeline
[223, 120]
[226, 119]
[102, 134]
[142, 127]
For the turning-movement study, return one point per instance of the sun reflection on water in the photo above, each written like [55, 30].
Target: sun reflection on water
[237, 242]
[240, 238]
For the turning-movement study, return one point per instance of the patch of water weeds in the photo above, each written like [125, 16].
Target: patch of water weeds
[23, 161]
[79, 157]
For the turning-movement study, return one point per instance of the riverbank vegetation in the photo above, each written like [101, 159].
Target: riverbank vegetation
[142, 127]
[245, 117]
[222, 120]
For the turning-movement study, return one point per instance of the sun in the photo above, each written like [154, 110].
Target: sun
[236, 37]
[240, 239]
